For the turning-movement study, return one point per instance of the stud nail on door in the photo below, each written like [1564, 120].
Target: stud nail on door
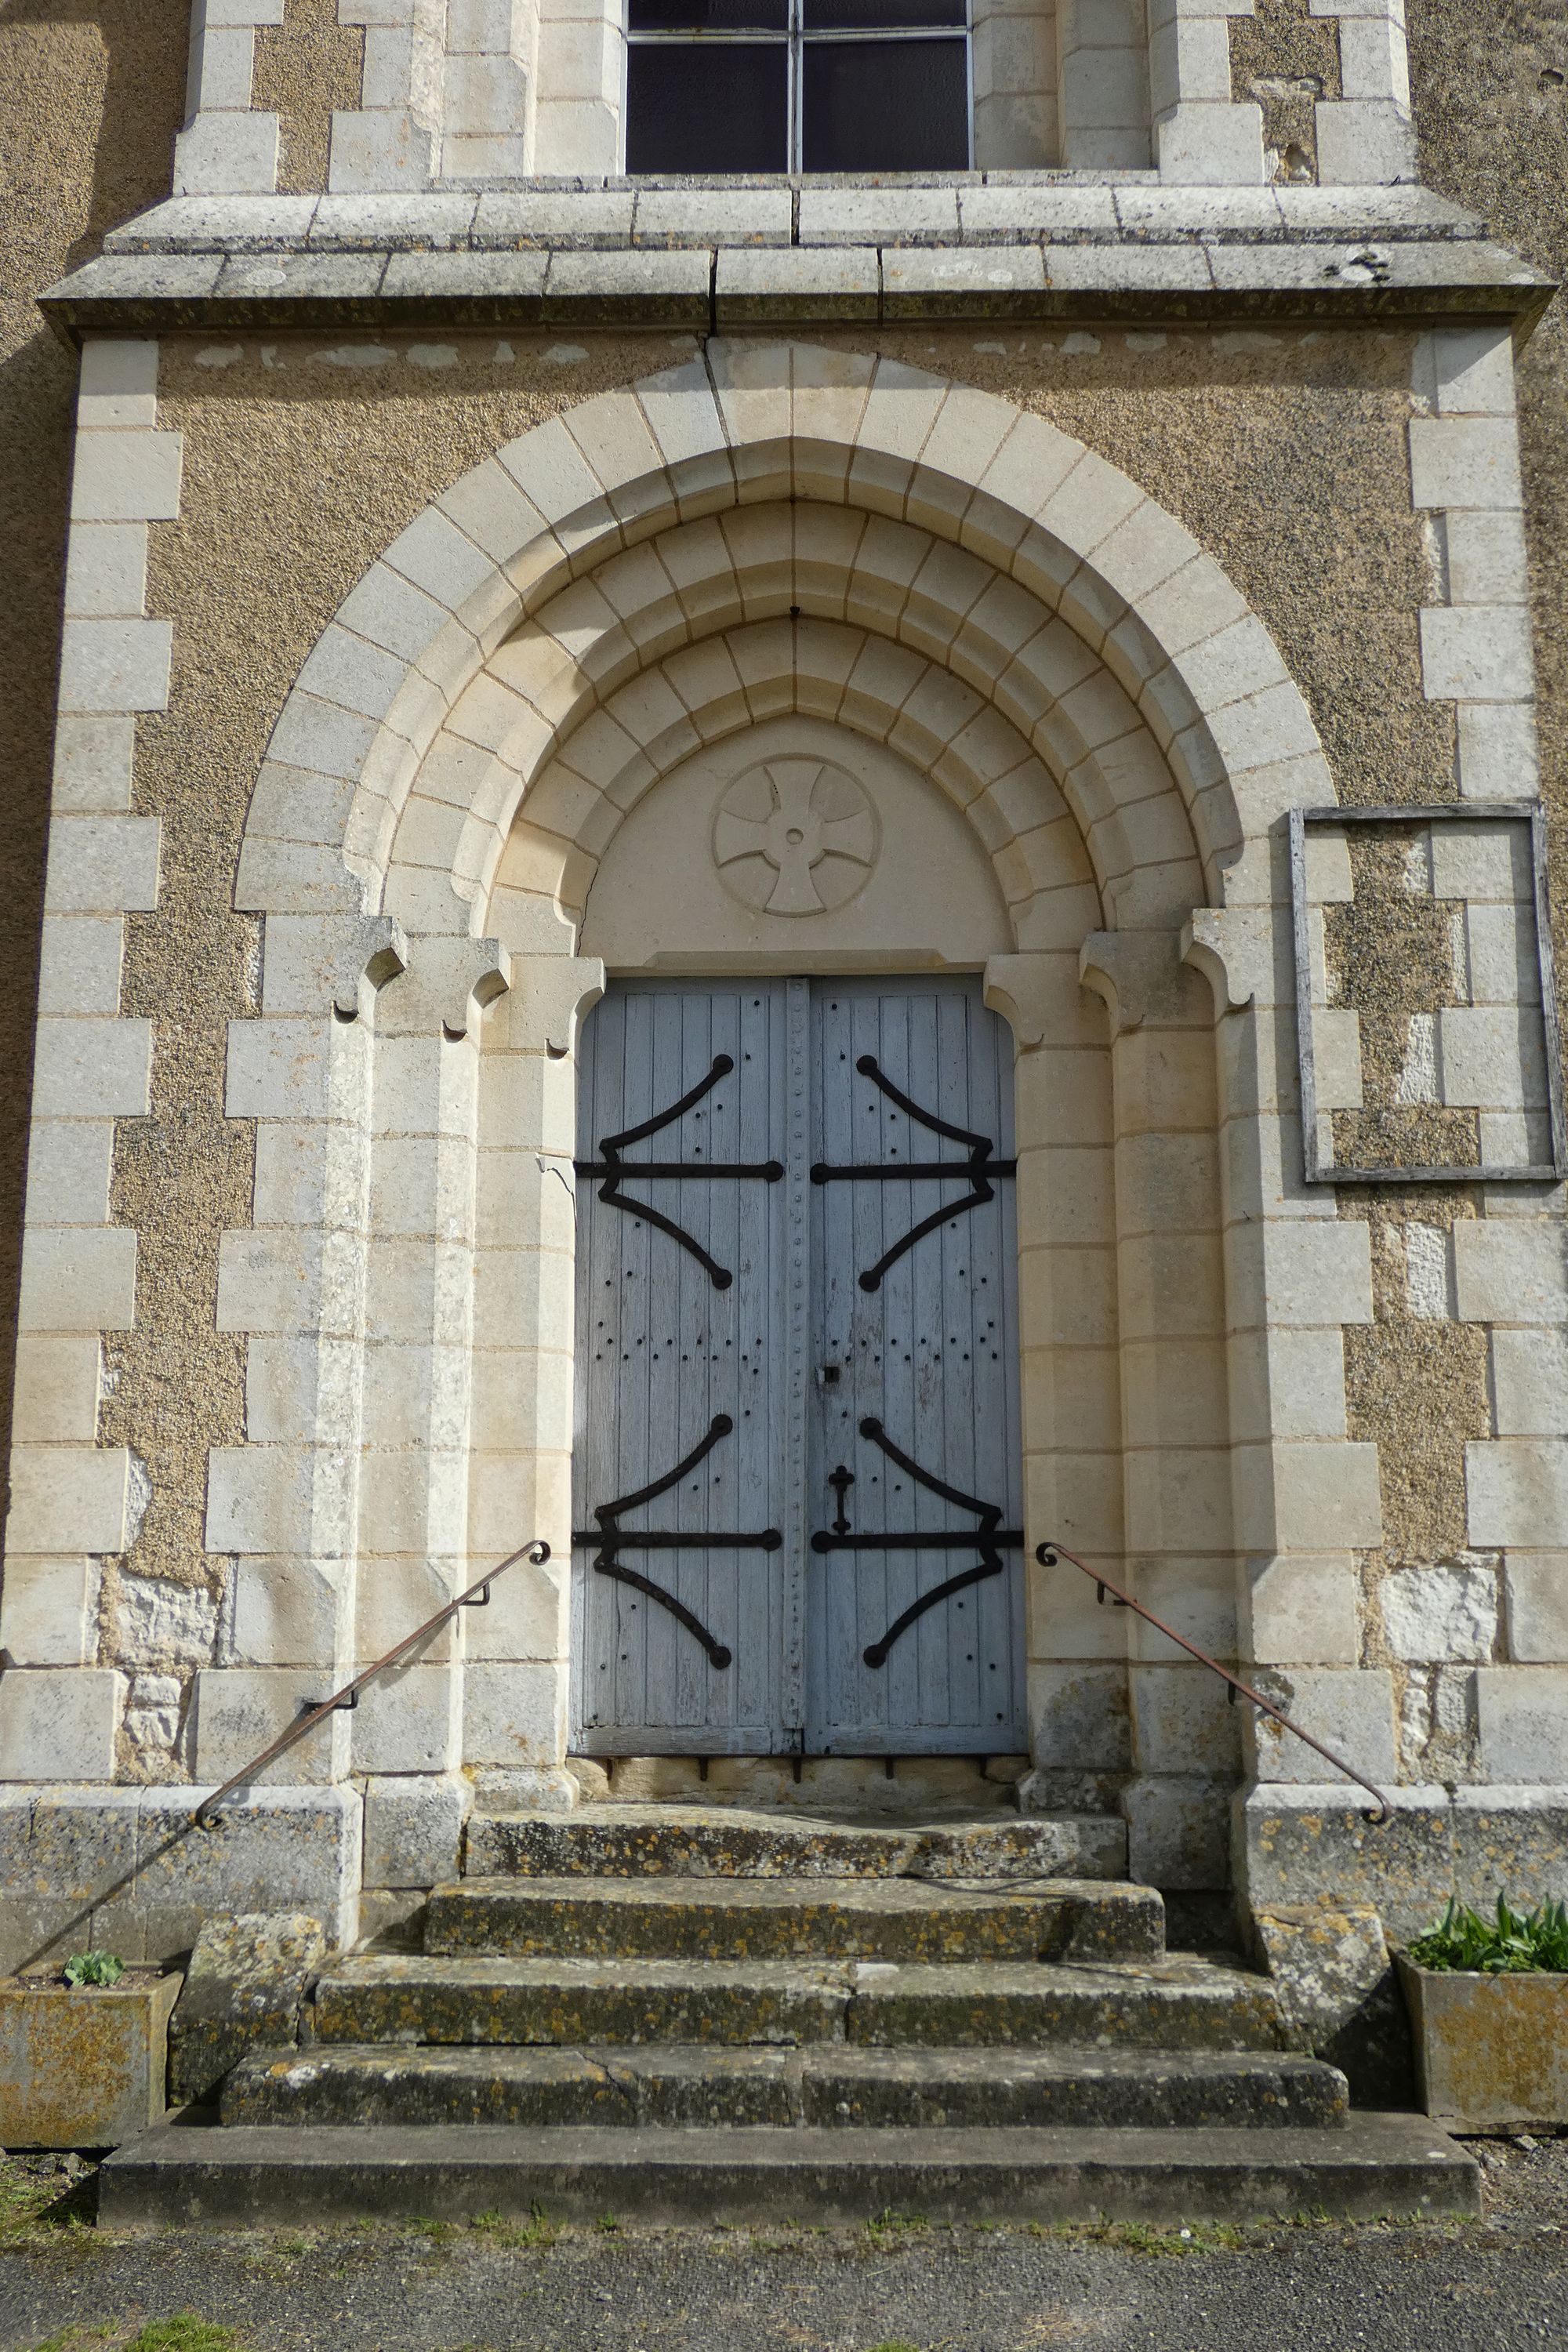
[797, 1503]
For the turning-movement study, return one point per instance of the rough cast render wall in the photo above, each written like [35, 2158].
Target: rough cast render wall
[1492, 114]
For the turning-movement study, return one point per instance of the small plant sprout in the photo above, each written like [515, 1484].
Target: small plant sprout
[1509, 1944]
[93, 1969]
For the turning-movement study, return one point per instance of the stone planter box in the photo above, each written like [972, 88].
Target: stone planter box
[1491, 2051]
[82, 2067]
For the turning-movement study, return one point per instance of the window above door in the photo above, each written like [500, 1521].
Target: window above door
[742, 86]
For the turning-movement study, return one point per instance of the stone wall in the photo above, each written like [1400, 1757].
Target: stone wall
[90, 104]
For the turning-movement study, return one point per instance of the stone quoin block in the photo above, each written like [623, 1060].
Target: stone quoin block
[60, 1725]
[413, 1827]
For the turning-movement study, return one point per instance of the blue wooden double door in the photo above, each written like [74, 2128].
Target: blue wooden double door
[798, 1505]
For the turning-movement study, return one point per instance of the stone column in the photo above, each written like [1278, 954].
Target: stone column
[581, 79]
[1080, 1736]
[285, 1504]
[516, 1698]
[1170, 1307]
[1306, 1496]
[487, 125]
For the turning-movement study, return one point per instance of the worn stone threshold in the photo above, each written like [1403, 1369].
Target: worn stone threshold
[261, 2175]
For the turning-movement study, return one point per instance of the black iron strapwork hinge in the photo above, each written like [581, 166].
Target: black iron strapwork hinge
[978, 1170]
[989, 1539]
[611, 1540]
[614, 1170]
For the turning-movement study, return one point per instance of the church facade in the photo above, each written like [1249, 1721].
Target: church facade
[797, 841]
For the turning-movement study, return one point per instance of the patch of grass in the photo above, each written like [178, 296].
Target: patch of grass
[186, 2331]
[37, 2199]
[608, 2224]
[894, 2344]
[1150, 2238]
[538, 2233]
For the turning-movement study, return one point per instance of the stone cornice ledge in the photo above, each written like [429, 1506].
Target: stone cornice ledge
[776, 254]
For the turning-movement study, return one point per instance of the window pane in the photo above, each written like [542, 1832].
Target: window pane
[723, 109]
[878, 16]
[885, 106]
[707, 15]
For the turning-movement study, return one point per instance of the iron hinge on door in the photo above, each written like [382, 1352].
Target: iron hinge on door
[978, 1169]
[989, 1537]
[612, 1171]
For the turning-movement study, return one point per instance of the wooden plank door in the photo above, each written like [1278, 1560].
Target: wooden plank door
[914, 1642]
[690, 1371]
[797, 1492]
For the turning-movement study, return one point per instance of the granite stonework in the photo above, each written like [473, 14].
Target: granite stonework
[244, 1990]
[1338, 1994]
[125, 1869]
[1301, 1844]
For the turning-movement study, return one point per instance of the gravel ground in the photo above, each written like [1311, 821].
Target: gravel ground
[900, 2286]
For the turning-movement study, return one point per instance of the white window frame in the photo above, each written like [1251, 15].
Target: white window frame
[795, 37]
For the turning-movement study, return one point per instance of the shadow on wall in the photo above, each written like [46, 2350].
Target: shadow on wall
[91, 94]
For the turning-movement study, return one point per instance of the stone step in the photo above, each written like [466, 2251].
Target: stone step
[610, 1840]
[827, 2084]
[1175, 2004]
[777, 1919]
[274, 2175]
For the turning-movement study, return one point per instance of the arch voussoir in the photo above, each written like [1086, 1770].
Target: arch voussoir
[856, 489]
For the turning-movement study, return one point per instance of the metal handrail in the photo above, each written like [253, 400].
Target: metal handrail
[476, 1597]
[1048, 1554]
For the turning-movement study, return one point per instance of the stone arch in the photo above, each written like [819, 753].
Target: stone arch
[834, 611]
[751, 424]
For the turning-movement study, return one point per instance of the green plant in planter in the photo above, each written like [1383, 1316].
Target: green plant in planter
[1509, 1944]
[93, 1969]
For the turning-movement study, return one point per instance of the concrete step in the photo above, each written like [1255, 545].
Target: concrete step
[282, 2174]
[1173, 2004]
[777, 1919]
[610, 1840]
[827, 2084]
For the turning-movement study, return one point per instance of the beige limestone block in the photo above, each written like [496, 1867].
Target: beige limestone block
[240, 1710]
[1518, 1494]
[514, 1714]
[1301, 1609]
[1535, 1587]
[289, 1613]
[1523, 1714]
[49, 1611]
[1302, 1497]
[1350, 1711]
[59, 1724]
